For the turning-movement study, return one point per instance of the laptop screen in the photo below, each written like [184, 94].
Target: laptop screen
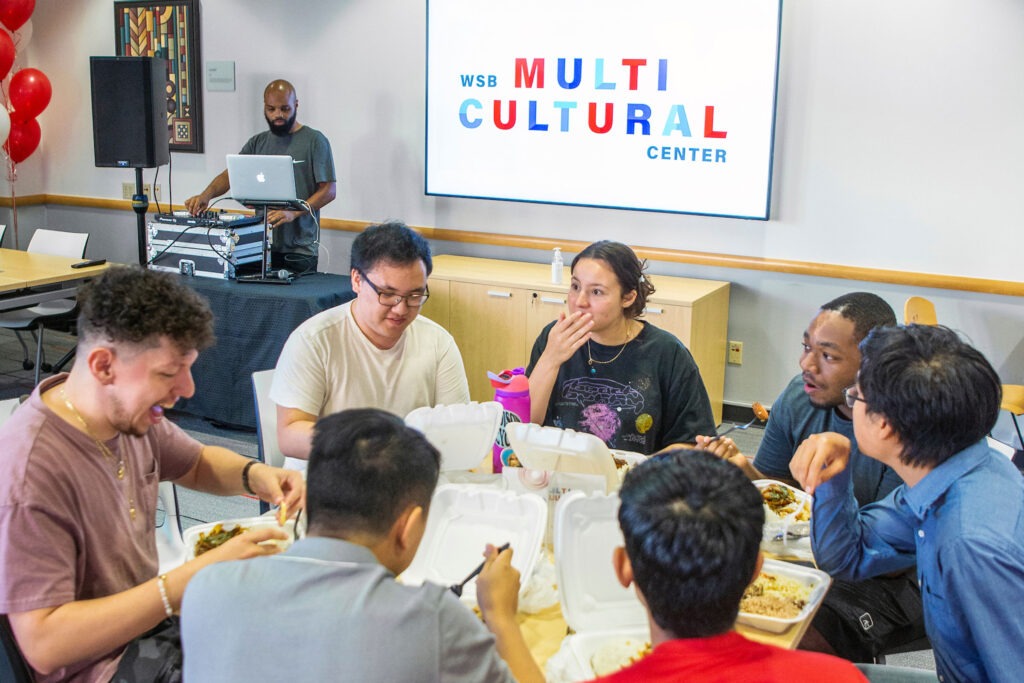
[261, 179]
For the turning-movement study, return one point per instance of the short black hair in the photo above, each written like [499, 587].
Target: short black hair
[628, 269]
[939, 393]
[865, 310]
[366, 466]
[133, 305]
[392, 242]
[692, 525]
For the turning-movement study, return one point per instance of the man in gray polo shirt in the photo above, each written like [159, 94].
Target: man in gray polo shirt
[329, 607]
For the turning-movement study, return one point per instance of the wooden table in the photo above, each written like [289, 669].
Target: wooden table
[22, 271]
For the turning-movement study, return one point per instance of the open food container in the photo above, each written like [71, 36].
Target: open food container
[558, 460]
[191, 535]
[786, 580]
[463, 433]
[787, 515]
[610, 623]
[463, 519]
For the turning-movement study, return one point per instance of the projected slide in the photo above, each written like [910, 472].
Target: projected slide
[649, 105]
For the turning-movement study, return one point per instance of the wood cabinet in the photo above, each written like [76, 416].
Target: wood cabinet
[495, 310]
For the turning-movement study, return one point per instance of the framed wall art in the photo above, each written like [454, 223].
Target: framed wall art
[169, 30]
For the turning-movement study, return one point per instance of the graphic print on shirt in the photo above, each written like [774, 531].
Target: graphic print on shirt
[605, 403]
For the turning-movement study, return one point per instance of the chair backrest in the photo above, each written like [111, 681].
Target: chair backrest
[919, 311]
[266, 419]
[58, 243]
[170, 548]
[13, 667]
[7, 408]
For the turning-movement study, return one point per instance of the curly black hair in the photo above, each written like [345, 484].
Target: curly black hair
[137, 306]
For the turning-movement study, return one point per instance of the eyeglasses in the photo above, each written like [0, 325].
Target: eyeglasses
[392, 299]
[852, 395]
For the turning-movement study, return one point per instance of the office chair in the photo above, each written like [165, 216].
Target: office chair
[266, 424]
[35, 318]
[170, 548]
[920, 311]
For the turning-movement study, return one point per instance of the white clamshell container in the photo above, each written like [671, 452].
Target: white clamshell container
[464, 433]
[191, 535]
[463, 519]
[816, 583]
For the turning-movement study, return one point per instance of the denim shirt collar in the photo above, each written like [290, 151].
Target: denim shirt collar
[923, 496]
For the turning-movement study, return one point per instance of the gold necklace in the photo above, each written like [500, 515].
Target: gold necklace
[120, 467]
[590, 359]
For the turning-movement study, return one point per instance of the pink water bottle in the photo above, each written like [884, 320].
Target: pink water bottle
[512, 391]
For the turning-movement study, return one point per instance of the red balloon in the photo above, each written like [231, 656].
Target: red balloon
[6, 53]
[14, 13]
[23, 140]
[29, 94]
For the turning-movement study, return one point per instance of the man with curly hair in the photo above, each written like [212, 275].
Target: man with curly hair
[79, 473]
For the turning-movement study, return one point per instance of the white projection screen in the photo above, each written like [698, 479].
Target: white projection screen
[657, 105]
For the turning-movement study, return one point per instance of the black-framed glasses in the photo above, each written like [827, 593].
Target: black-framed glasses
[392, 299]
[852, 395]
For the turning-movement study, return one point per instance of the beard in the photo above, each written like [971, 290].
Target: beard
[282, 128]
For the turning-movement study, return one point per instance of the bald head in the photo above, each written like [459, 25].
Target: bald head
[280, 86]
[280, 107]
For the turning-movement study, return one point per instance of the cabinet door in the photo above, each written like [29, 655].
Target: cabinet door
[544, 307]
[702, 331]
[489, 325]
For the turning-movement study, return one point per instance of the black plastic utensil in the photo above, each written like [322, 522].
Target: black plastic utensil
[457, 588]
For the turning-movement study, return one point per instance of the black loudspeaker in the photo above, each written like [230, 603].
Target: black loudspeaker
[129, 111]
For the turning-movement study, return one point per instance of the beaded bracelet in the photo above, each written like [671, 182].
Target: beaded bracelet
[161, 582]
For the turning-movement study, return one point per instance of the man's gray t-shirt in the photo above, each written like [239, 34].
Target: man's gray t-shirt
[793, 419]
[327, 610]
[314, 164]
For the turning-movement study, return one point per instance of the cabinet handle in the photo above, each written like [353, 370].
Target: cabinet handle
[552, 300]
[653, 311]
[502, 295]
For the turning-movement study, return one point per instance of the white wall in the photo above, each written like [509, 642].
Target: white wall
[898, 146]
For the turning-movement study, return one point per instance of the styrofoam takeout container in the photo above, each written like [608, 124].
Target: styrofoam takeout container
[562, 450]
[817, 583]
[464, 433]
[463, 519]
[595, 605]
[191, 535]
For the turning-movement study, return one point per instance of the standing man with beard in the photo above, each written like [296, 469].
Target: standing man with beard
[295, 232]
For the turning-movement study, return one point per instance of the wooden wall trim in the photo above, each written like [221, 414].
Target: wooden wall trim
[824, 270]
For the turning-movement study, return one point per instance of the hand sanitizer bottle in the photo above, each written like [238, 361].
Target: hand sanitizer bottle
[556, 266]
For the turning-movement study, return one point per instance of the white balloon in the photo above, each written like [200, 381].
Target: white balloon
[5, 125]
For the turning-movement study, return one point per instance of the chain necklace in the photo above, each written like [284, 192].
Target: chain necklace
[120, 467]
[591, 361]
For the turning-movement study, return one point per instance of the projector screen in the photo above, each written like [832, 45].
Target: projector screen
[659, 105]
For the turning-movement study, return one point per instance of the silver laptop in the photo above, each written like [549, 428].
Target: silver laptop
[262, 179]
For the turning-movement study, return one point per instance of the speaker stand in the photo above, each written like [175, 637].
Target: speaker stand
[140, 205]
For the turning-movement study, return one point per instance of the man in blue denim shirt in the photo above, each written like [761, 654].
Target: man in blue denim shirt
[923, 403]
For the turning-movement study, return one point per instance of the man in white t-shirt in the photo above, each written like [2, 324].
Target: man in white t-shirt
[373, 352]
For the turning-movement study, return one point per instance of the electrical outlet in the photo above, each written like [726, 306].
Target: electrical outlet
[128, 191]
[735, 352]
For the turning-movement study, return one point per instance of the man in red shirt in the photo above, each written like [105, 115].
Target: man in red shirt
[692, 525]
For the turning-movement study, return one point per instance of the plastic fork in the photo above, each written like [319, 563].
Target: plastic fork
[760, 415]
[457, 588]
